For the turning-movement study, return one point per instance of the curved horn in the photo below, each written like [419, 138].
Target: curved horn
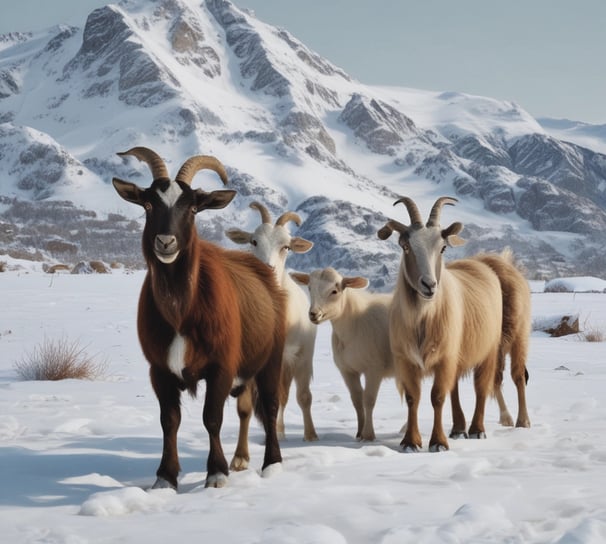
[434, 215]
[265, 217]
[196, 163]
[390, 226]
[413, 211]
[153, 160]
[286, 217]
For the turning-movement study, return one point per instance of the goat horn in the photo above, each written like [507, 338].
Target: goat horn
[194, 164]
[390, 226]
[413, 211]
[434, 215]
[153, 160]
[265, 217]
[286, 217]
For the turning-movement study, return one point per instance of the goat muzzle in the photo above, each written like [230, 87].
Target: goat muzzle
[166, 248]
[316, 316]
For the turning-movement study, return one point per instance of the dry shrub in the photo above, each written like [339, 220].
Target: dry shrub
[593, 334]
[59, 360]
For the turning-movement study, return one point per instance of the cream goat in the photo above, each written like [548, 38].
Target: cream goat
[360, 337]
[444, 321]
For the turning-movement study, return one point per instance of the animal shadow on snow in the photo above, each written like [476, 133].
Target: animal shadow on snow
[42, 477]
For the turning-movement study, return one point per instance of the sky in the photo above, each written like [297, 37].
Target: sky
[546, 55]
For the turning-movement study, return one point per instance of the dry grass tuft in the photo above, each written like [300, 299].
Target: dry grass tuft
[59, 360]
[593, 334]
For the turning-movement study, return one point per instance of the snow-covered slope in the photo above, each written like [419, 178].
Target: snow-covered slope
[294, 131]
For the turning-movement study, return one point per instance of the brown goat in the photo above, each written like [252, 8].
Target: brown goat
[204, 313]
[445, 320]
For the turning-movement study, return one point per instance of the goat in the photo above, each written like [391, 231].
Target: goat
[360, 336]
[445, 320]
[515, 335]
[204, 313]
[271, 244]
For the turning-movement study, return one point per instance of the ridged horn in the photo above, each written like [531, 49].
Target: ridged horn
[286, 217]
[153, 160]
[265, 217]
[196, 163]
[413, 211]
[434, 215]
[389, 227]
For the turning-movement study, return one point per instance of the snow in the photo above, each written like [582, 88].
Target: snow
[580, 284]
[78, 457]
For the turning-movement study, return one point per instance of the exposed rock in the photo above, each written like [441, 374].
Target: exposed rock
[379, 125]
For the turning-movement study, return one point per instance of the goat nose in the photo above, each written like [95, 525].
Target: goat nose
[314, 315]
[166, 243]
[429, 285]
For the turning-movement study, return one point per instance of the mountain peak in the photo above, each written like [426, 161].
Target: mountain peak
[185, 78]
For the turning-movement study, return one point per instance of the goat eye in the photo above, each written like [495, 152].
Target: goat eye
[285, 248]
[254, 243]
[147, 206]
[334, 292]
[194, 210]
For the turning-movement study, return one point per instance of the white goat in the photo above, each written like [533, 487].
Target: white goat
[444, 320]
[360, 336]
[271, 244]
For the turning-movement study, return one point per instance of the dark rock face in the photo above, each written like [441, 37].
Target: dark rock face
[108, 42]
[379, 125]
[483, 151]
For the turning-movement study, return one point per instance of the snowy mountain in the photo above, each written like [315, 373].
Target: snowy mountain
[293, 130]
[584, 134]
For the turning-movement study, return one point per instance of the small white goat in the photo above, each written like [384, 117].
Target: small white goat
[360, 336]
[271, 244]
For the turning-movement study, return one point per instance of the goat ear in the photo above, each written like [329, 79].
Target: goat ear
[128, 191]
[239, 236]
[215, 200]
[303, 279]
[450, 235]
[300, 245]
[354, 283]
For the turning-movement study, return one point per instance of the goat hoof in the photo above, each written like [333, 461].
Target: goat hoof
[161, 483]
[216, 480]
[238, 464]
[270, 470]
[506, 421]
[410, 448]
[456, 435]
[312, 438]
[478, 435]
[435, 448]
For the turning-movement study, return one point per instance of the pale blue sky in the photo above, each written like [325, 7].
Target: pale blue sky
[547, 55]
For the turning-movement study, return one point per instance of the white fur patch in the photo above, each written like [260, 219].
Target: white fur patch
[176, 355]
[167, 259]
[237, 382]
[216, 480]
[171, 195]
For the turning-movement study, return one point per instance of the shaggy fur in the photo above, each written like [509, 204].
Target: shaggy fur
[204, 313]
[444, 321]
